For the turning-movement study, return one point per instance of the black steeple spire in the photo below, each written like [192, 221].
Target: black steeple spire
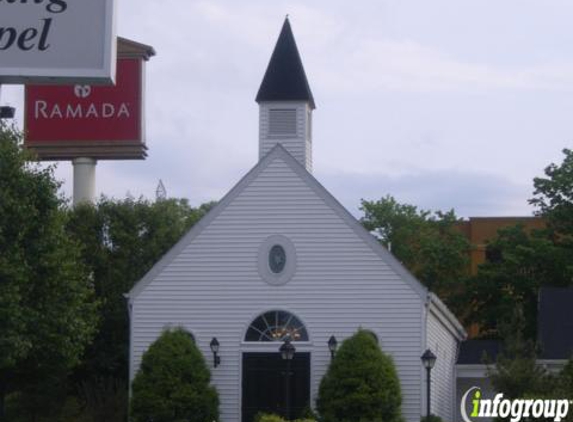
[285, 79]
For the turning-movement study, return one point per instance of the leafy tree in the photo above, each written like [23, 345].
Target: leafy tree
[47, 308]
[121, 241]
[173, 382]
[428, 244]
[361, 384]
[526, 262]
[553, 196]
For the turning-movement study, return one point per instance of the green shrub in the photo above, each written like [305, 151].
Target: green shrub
[269, 417]
[432, 418]
[361, 384]
[173, 383]
[565, 386]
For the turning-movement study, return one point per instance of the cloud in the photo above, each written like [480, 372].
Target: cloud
[409, 65]
[468, 193]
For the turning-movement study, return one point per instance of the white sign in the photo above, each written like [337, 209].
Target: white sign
[57, 41]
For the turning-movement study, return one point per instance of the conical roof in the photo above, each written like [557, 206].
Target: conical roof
[285, 79]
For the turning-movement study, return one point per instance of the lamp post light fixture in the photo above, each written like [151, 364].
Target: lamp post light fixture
[428, 360]
[287, 351]
[214, 345]
[332, 345]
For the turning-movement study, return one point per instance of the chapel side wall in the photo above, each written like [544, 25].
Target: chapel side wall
[443, 343]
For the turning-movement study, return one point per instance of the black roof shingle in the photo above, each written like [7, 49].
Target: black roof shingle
[285, 79]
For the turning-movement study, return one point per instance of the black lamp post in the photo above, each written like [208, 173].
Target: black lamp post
[287, 353]
[332, 345]
[428, 360]
[214, 345]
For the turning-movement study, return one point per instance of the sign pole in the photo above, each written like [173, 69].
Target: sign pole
[84, 180]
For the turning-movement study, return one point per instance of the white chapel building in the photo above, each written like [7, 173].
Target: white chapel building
[280, 256]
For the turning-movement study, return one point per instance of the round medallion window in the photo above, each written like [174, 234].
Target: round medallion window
[277, 260]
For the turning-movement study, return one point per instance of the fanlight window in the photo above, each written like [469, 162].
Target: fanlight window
[276, 326]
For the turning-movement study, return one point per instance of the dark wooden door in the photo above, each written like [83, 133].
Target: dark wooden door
[264, 384]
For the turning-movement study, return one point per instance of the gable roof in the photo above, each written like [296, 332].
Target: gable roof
[279, 152]
[285, 79]
[555, 323]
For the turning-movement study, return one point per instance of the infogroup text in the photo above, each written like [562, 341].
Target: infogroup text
[553, 409]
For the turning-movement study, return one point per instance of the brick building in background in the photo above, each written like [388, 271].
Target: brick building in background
[481, 230]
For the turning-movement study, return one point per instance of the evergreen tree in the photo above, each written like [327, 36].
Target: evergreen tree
[173, 383]
[361, 384]
[516, 372]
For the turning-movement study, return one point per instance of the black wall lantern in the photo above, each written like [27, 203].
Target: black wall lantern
[332, 345]
[215, 349]
[428, 360]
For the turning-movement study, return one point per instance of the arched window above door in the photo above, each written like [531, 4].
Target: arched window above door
[276, 326]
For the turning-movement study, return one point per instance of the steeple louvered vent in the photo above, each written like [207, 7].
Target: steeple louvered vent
[282, 122]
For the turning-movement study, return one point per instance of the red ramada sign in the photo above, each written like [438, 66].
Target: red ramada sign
[69, 121]
[87, 113]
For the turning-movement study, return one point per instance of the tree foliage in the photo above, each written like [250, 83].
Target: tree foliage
[122, 240]
[553, 196]
[173, 382]
[427, 243]
[47, 307]
[526, 262]
[361, 384]
[564, 386]
[516, 372]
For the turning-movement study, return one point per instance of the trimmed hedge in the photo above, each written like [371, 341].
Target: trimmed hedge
[269, 417]
[361, 384]
[173, 383]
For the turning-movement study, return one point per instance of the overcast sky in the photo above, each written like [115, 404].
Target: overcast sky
[442, 104]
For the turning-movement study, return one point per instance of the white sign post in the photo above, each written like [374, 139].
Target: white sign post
[57, 41]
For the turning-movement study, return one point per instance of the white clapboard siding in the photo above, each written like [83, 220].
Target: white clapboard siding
[210, 285]
[297, 145]
[443, 341]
